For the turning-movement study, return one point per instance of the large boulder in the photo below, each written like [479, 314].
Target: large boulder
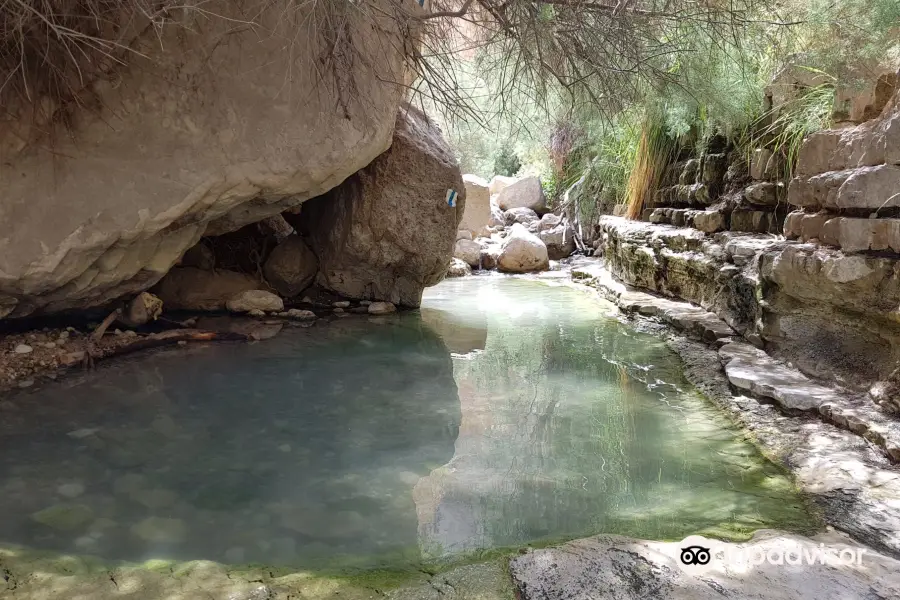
[291, 267]
[389, 231]
[525, 193]
[500, 183]
[498, 218]
[468, 251]
[558, 235]
[522, 251]
[212, 126]
[189, 288]
[477, 215]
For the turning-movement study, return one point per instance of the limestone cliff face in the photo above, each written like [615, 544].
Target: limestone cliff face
[221, 122]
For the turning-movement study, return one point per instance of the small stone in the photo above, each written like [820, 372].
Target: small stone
[285, 447]
[306, 300]
[160, 530]
[80, 434]
[26, 383]
[64, 516]
[338, 310]
[64, 335]
[365, 302]
[71, 358]
[130, 334]
[23, 349]
[341, 304]
[50, 345]
[70, 490]
[70, 329]
[255, 312]
[118, 332]
[381, 308]
[182, 343]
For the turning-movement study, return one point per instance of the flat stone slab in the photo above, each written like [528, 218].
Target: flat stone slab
[692, 319]
[750, 369]
[622, 568]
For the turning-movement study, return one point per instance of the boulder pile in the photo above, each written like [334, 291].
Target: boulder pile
[508, 227]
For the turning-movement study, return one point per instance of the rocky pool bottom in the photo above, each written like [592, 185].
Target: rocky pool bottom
[508, 413]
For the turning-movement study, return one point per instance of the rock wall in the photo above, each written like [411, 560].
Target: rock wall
[211, 127]
[826, 295]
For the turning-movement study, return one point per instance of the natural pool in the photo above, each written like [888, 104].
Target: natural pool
[506, 412]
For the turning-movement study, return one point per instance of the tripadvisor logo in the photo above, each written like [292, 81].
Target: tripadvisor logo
[697, 555]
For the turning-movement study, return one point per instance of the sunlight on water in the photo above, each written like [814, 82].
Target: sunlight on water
[505, 412]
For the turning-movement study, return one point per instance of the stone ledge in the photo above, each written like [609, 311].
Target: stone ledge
[638, 569]
[750, 369]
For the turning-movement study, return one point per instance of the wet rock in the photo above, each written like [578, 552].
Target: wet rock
[522, 252]
[160, 530]
[260, 300]
[458, 268]
[559, 238]
[381, 308]
[300, 315]
[70, 490]
[64, 517]
[525, 193]
[189, 288]
[291, 267]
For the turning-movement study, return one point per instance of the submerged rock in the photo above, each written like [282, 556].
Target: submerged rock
[388, 232]
[522, 252]
[64, 516]
[160, 530]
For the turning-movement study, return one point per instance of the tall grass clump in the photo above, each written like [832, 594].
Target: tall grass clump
[655, 152]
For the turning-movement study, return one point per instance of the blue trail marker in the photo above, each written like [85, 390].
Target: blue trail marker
[451, 197]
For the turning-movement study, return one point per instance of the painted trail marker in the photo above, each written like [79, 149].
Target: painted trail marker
[451, 197]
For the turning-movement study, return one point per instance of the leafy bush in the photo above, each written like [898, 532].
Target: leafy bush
[506, 162]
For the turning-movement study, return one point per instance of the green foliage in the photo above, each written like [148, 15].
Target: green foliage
[506, 162]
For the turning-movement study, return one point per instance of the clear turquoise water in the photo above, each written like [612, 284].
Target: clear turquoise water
[505, 412]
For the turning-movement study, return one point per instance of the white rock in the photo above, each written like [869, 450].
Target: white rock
[468, 251]
[525, 193]
[522, 252]
[23, 349]
[303, 315]
[341, 304]
[70, 490]
[255, 299]
[458, 268]
[499, 183]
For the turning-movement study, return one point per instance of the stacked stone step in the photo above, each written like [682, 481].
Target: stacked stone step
[688, 193]
[761, 206]
[847, 187]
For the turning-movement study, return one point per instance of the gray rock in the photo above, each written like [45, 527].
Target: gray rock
[477, 215]
[189, 288]
[301, 315]
[388, 232]
[381, 308]
[260, 300]
[469, 252]
[23, 349]
[623, 568]
[291, 267]
[523, 215]
[458, 268]
[522, 252]
[525, 193]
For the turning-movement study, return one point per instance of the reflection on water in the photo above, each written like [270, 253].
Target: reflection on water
[362, 442]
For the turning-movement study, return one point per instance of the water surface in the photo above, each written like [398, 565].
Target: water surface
[505, 412]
